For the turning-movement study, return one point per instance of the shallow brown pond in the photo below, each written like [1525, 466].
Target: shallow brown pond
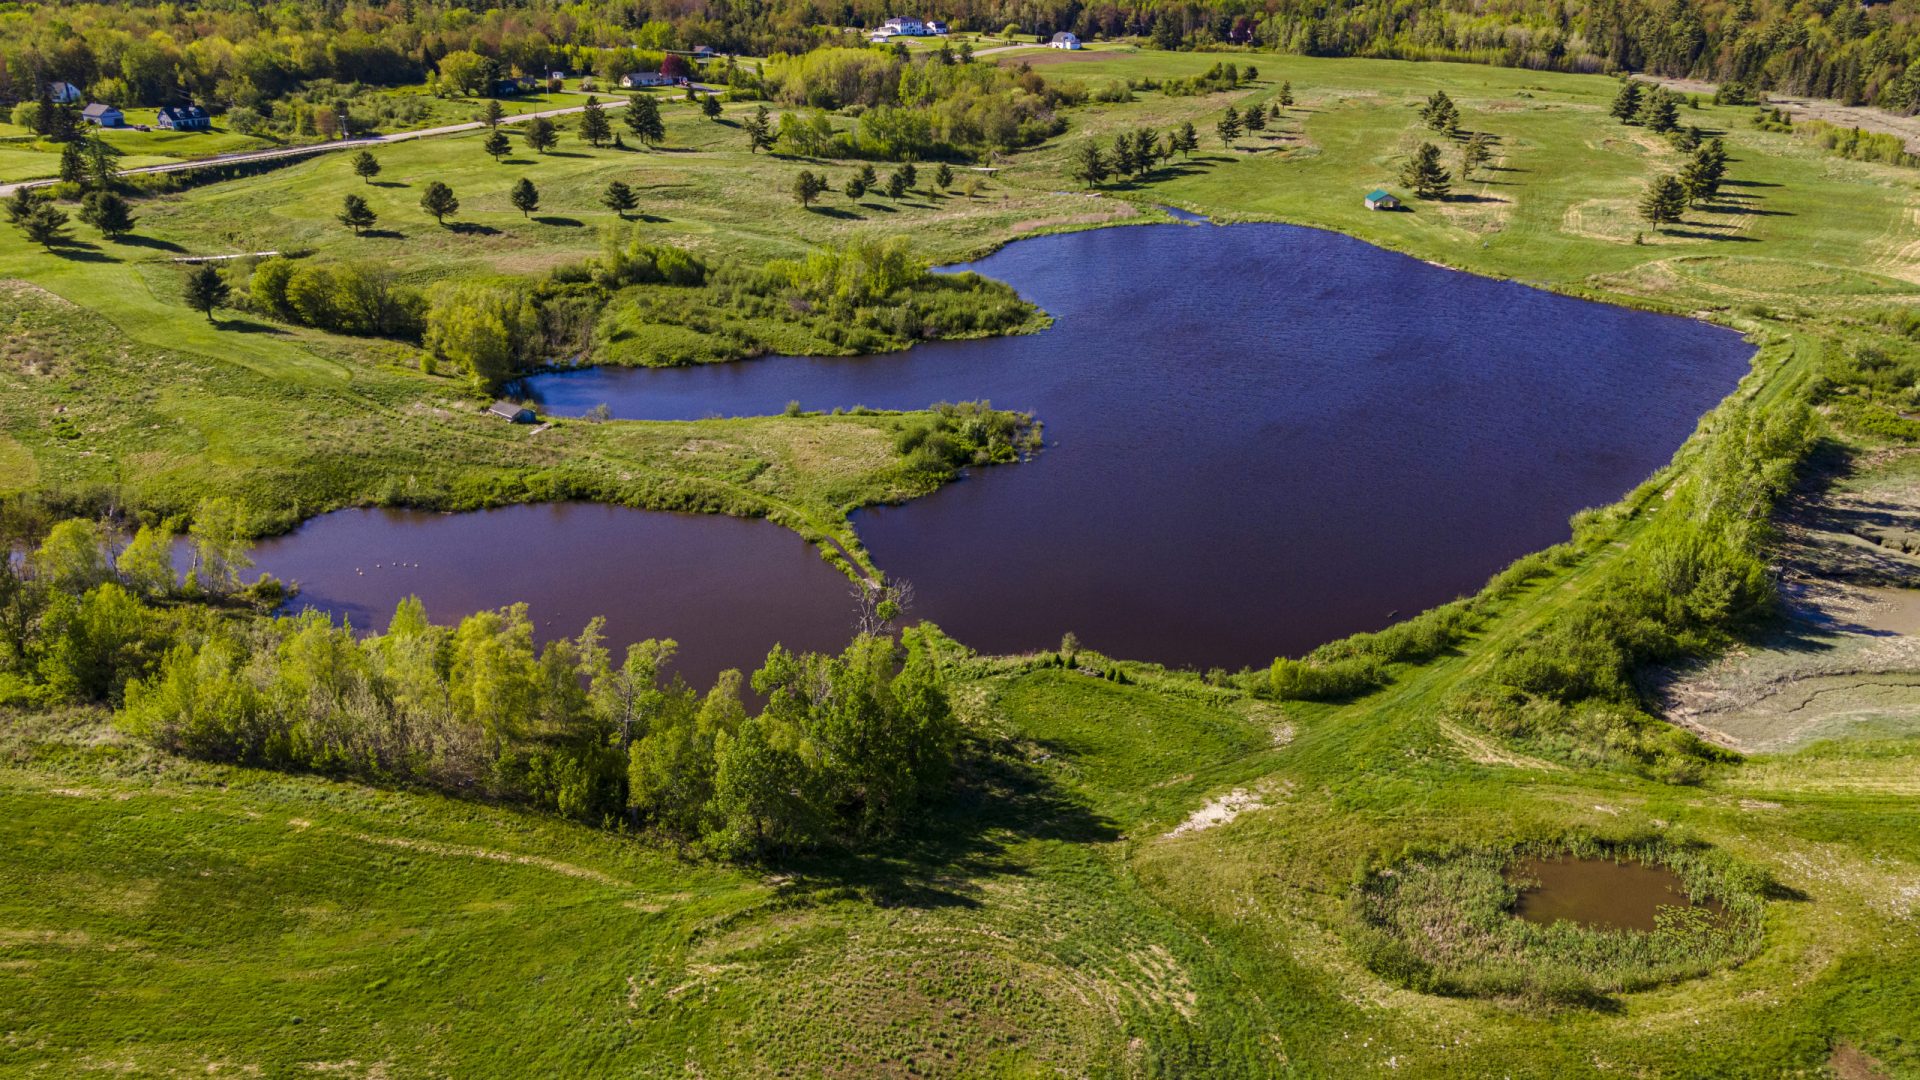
[1598, 893]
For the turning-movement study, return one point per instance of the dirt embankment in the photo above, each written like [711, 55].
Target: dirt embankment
[1805, 108]
[1845, 660]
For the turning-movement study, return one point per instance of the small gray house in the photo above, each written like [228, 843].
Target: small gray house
[512, 412]
[1378, 199]
[105, 116]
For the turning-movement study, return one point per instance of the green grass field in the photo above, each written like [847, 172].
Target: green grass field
[1135, 880]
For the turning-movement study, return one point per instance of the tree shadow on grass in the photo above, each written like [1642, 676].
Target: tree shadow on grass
[1468, 197]
[1000, 800]
[1743, 210]
[882, 208]
[80, 251]
[1701, 233]
[157, 244]
[836, 212]
[247, 326]
[384, 234]
[472, 228]
[567, 154]
[389, 184]
[1747, 183]
[562, 222]
[516, 161]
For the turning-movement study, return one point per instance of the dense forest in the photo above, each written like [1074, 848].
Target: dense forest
[231, 53]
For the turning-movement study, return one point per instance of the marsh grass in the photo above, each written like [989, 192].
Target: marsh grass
[1445, 924]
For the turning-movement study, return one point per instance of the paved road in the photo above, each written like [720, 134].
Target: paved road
[341, 144]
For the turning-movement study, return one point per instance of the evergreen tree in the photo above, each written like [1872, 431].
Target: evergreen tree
[1089, 164]
[107, 212]
[366, 166]
[808, 187]
[710, 106]
[856, 188]
[1477, 152]
[1188, 140]
[497, 144]
[438, 199]
[1229, 127]
[1424, 174]
[1124, 164]
[643, 119]
[594, 126]
[45, 225]
[1145, 150]
[73, 164]
[541, 134]
[22, 203]
[355, 214]
[1702, 175]
[1286, 94]
[1661, 113]
[492, 113]
[1441, 114]
[910, 174]
[1166, 32]
[1665, 201]
[619, 198]
[205, 289]
[524, 197]
[1257, 118]
[943, 176]
[869, 177]
[759, 130]
[101, 165]
[896, 184]
[1626, 102]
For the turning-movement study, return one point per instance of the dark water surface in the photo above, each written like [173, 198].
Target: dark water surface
[725, 588]
[1599, 893]
[1260, 437]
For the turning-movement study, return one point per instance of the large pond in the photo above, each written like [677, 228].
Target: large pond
[1260, 438]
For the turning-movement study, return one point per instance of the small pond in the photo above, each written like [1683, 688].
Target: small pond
[725, 588]
[1599, 893]
[1261, 438]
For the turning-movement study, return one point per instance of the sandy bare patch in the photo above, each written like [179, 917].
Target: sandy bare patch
[1223, 809]
[1833, 112]
[1846, 658]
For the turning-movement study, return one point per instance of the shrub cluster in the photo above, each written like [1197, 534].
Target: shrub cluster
[847, 747]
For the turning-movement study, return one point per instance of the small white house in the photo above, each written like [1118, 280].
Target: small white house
[1378, 199]
[907, 25]
[64, 93]
[936, 27]
[640, 79]
[1064, 40]
[880, 36]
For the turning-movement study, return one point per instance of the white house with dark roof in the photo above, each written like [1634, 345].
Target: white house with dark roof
[183, 118]
[907, 26]
[1064, 40]
[64, 93]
